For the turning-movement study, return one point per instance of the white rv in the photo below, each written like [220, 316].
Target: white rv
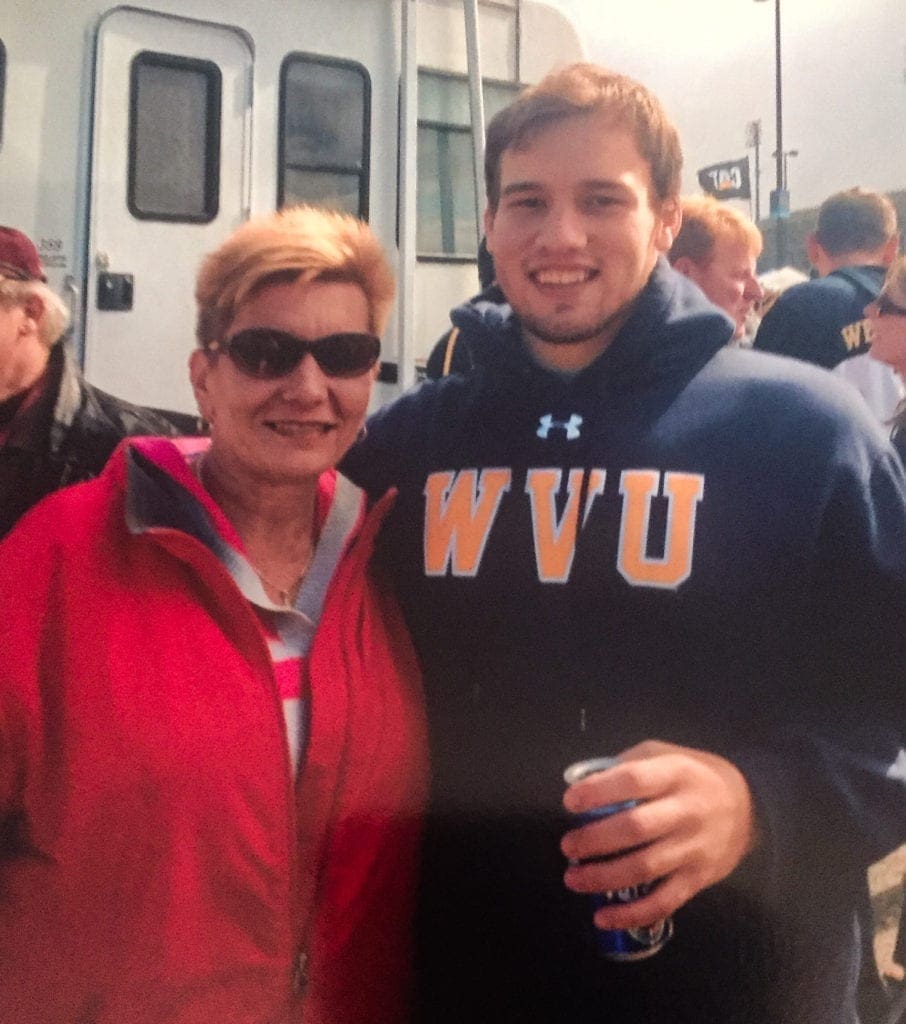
[132, 140]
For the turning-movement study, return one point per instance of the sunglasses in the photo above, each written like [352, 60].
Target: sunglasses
[268, 354]
[887, 307]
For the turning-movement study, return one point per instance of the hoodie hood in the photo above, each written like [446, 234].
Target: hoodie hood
[868, 278]
[672, 329]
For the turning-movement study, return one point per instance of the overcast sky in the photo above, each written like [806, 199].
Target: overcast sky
[712, 64]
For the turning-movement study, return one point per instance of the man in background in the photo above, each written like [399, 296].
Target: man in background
[55, 428]
[823, 321]
[452, 352]
[717, 247]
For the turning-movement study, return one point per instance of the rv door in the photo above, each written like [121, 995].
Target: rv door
[170, 177]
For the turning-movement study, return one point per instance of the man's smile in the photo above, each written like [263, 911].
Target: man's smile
[560, 277]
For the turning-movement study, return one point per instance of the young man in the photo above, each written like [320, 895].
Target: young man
[618, 536]
[55, 428]
[717, 247]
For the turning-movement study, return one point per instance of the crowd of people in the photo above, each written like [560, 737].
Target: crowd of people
[285, 705]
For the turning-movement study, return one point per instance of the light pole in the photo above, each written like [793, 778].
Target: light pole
[787, 153]
[753, 141]
[780, 197]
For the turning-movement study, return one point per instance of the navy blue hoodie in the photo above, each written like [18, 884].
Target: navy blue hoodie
[684, 542]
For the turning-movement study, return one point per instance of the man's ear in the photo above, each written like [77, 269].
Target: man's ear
[891, 248]
[670, 217]
[34, 309]
[200, 366]
[488, 228]
[815, 252]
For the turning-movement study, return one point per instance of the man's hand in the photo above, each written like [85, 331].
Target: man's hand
[693, 827]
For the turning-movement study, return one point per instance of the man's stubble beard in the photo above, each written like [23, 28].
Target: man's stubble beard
[543, 332]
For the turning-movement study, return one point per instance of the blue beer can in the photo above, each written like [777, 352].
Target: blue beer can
[621, 943]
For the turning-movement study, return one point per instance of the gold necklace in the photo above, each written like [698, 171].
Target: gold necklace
[285, 597]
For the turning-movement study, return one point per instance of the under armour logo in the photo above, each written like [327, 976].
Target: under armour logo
[571, 426]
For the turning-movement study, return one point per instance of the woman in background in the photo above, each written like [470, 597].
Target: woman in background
[887, 315]
[212, 749]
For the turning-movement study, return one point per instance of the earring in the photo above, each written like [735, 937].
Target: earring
[362, 434]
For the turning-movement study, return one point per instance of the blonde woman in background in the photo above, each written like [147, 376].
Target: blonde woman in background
[887, 315]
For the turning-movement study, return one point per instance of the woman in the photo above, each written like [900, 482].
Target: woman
[212, 749]
[887, 315]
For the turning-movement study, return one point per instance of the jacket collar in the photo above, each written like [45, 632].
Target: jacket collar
[867, 277]
[165, 500]
[40, 428]
[65, 382]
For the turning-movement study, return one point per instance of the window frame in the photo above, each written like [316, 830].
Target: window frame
[213, 120]
[364, 172]
[2, 86]
[449, 127]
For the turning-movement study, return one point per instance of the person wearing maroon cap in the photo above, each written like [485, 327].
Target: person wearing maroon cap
[55, 427]
[19, 258]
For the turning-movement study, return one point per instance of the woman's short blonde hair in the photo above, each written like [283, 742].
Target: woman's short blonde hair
[55, 319]
[300, 242]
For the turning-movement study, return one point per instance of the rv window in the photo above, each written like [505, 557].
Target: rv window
[324, 134]
[174, 138]
[446, 190]
[2, 85]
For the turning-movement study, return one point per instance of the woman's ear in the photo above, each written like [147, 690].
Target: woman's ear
[200, 366]
[33, 307]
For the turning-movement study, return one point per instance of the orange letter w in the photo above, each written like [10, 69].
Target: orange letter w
[458, 521]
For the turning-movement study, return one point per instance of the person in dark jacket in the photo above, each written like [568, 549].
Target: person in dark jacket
[452, 352]
[823, 321]
[617, 536]
[55, 427]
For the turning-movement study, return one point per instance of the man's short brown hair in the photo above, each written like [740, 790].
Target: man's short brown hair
[857, 220]
[587, 89]
[705, 220]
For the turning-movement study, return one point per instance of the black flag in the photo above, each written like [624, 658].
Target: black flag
[729, 180]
